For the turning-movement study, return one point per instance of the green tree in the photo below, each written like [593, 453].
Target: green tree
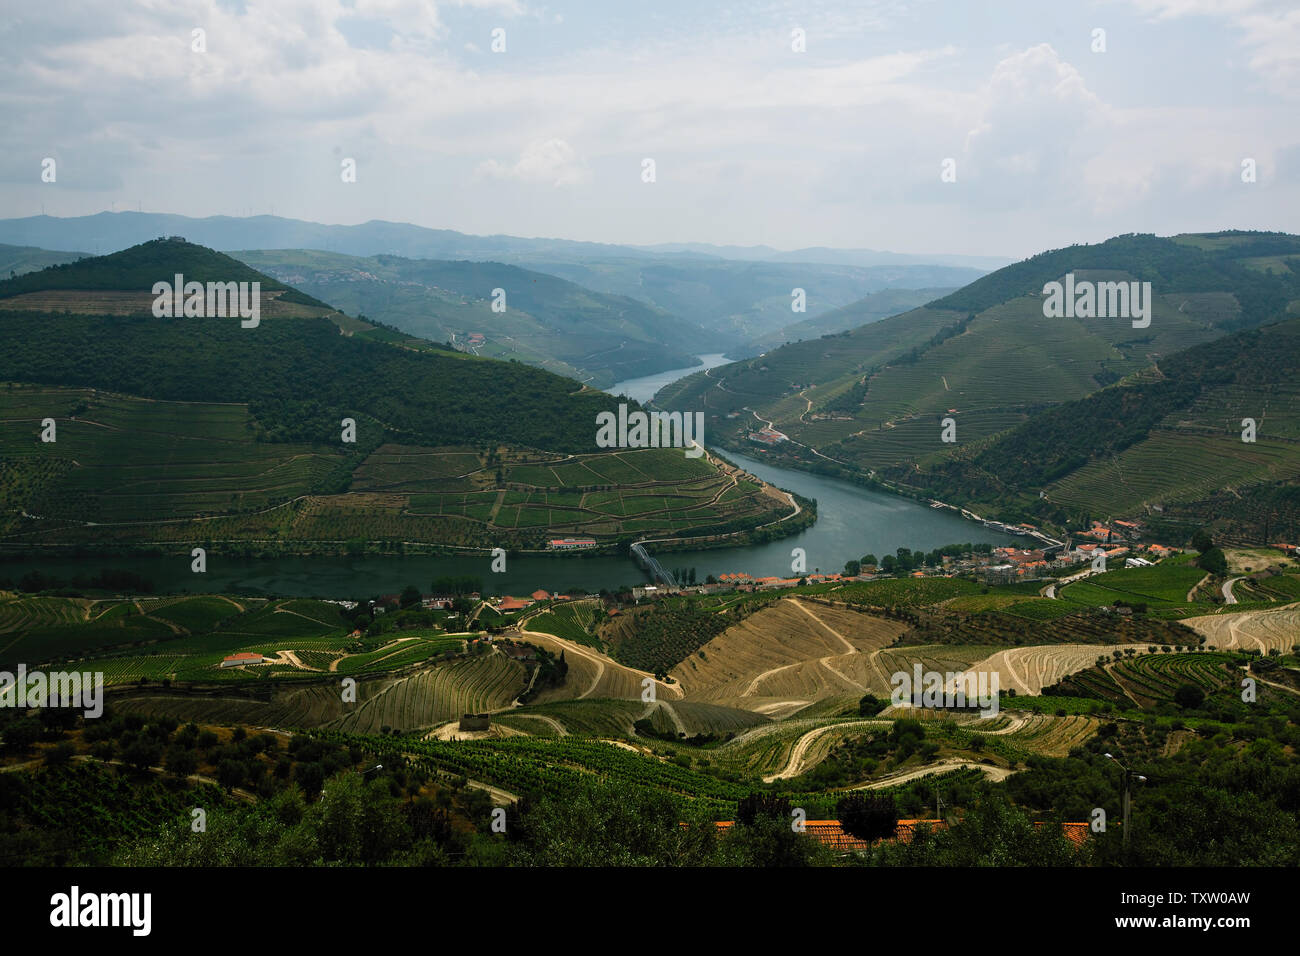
[1189, 696]
[867, 817]
[1214, 561]
[142, 753]
[181, 761]
[22, 733]
[230, 773]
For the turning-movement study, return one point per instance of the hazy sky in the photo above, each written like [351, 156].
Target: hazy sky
[839, 145]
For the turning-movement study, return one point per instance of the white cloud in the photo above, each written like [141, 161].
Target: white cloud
[840, 145]
[550, 161]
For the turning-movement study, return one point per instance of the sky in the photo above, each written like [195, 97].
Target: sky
[986, 128]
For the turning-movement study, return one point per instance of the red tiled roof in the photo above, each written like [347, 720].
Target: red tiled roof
[831, 833]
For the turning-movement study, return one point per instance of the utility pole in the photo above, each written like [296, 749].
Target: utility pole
[1129, 778]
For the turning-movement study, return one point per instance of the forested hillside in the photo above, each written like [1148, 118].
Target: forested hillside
[872, 403]
[542, 320]
[310, 429]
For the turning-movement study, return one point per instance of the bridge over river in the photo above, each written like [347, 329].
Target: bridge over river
[651, 566]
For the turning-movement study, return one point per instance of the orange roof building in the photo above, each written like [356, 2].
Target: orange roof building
[833, 835]
[242, 658]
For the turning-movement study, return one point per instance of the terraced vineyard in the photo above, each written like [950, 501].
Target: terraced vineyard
[419, 699]
[1053, 736]
[1261, 630]
[793, 650]
[553, 766]
[573, 621]
[410, 650]
[656, 640]
[1176, 465]
[121, 460]
[581, 718]
[1162, 587]
[126, 468]
[1151, 679]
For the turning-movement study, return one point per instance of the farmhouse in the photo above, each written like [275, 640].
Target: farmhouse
[738, 578]
[475, 722]
[513, 604]
[1084, 552]
[768, 436]
[540, 595]
[239, 660]
[567, 543]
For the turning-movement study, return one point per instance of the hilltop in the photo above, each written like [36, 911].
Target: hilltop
[310, 431]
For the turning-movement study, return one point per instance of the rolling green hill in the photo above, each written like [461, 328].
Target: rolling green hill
[176, 430]
[549, 322]
[19, 260]
[138, 268]
[1166, 446]
[877, 305]
[869, 402]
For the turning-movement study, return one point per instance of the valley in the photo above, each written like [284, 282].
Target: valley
[370, 543]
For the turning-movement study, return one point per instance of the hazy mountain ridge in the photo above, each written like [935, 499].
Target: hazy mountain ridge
[547, 321]
[743, 302]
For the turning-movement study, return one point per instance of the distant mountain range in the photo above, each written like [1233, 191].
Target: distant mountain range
[738, 306]
[111, 231]
[823, 254]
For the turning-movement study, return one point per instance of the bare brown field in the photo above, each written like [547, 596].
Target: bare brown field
[944, 658]
[1027, 670]
[1274, 629]
[794, 651]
